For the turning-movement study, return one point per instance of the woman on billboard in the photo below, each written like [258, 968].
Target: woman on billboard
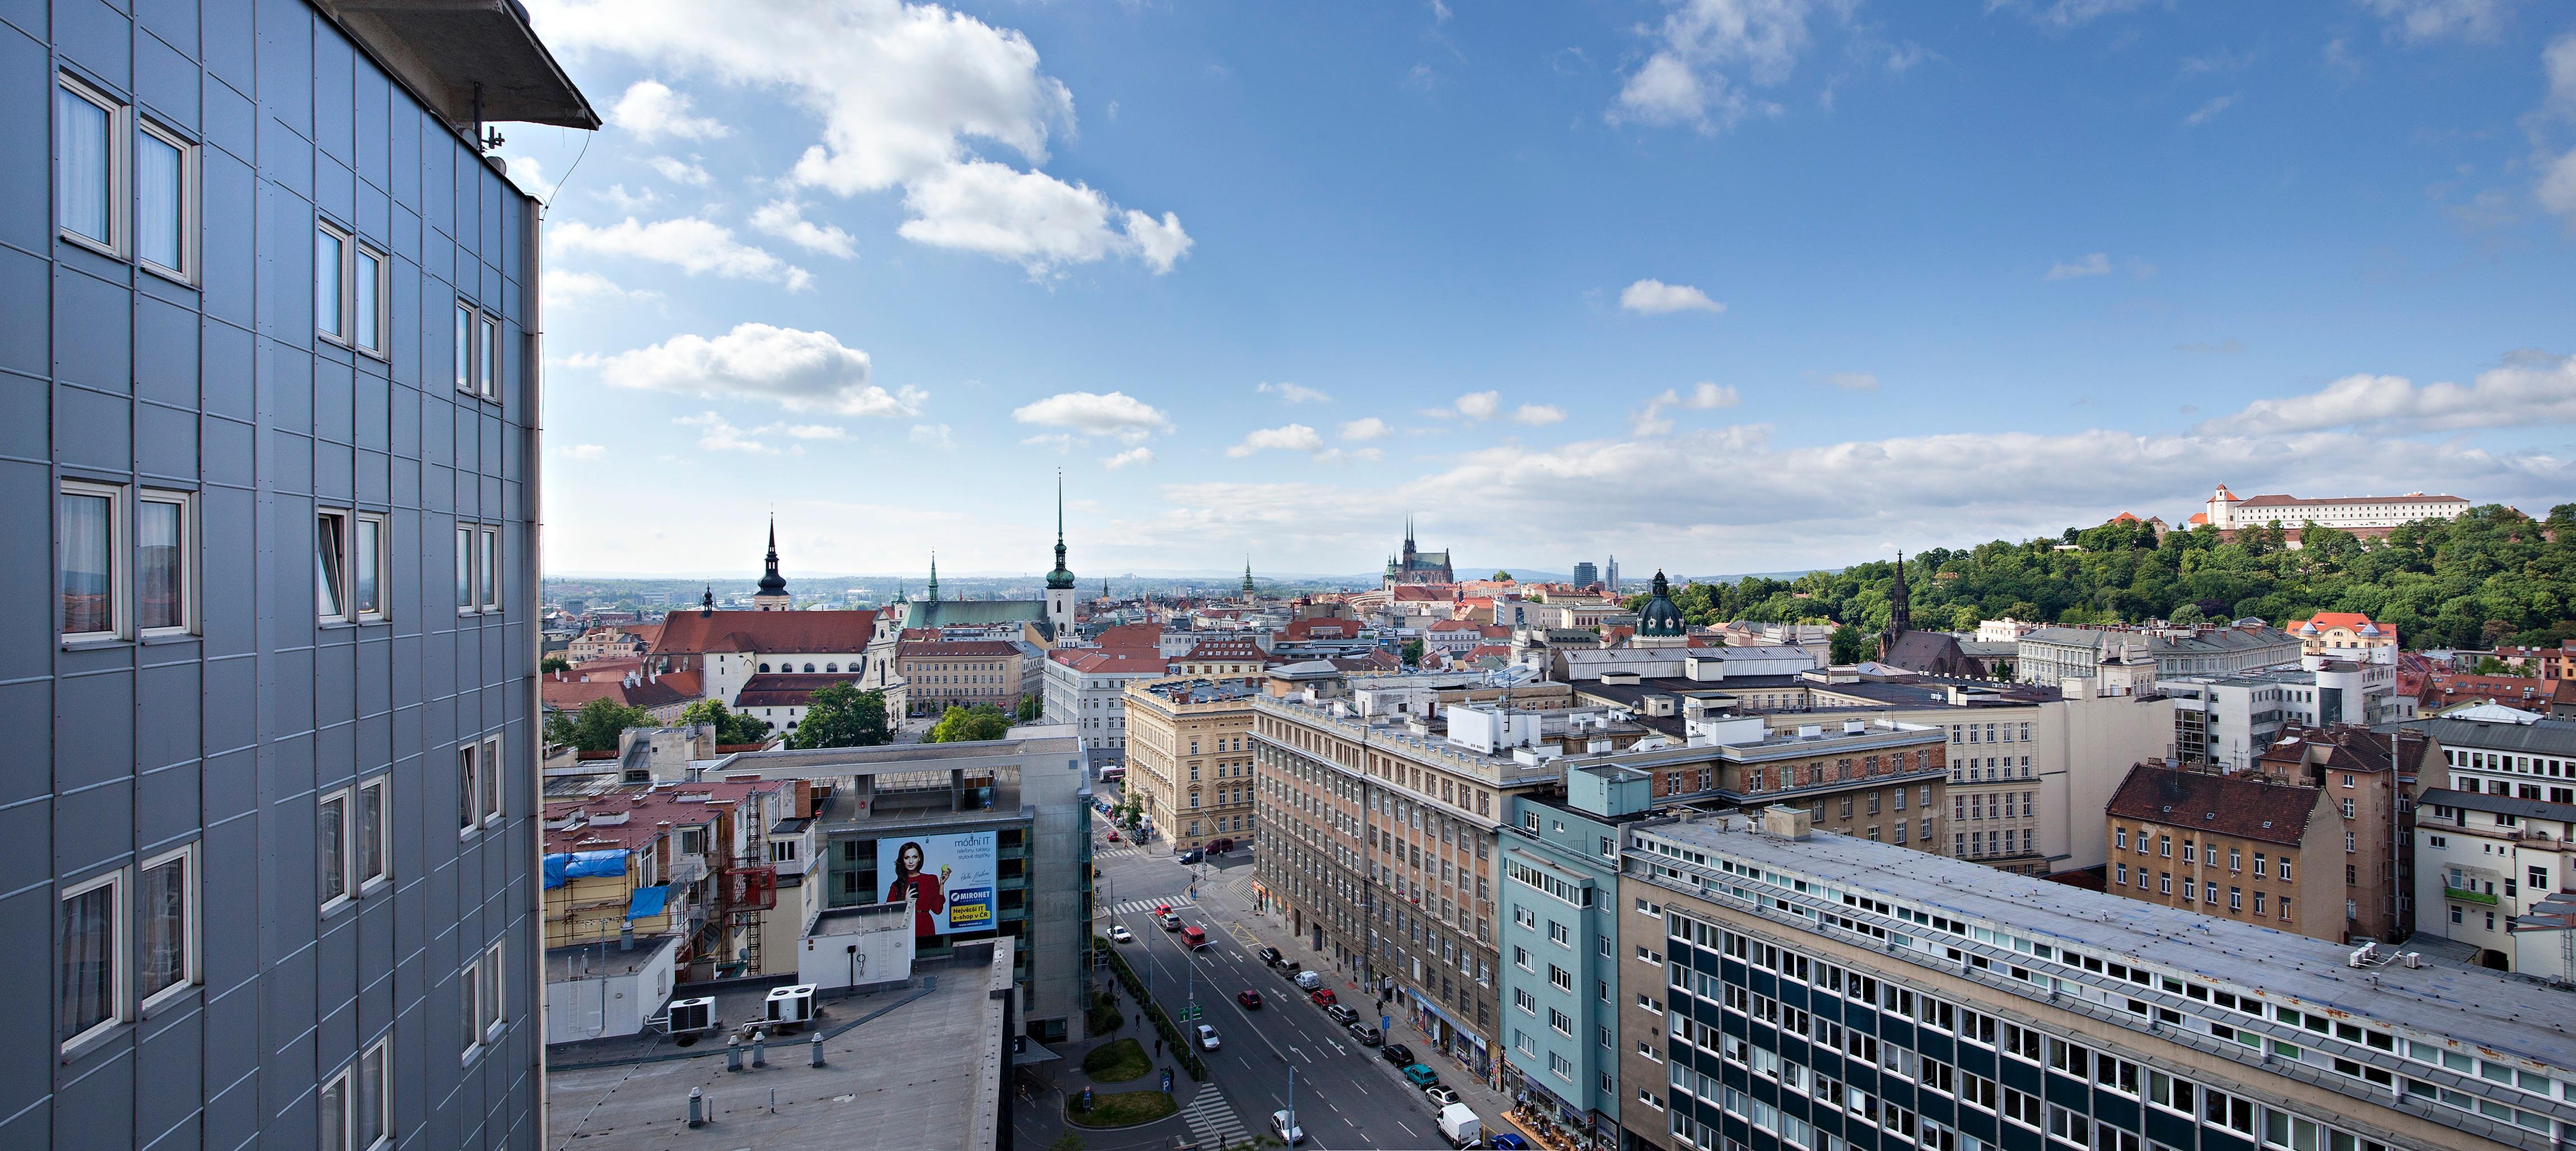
[927, 898]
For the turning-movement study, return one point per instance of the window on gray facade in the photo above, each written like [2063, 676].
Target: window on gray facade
[89, 955]
[165, 201]
[86, 559]
[163, 596]
[331, 565]
[331, 847]
[86, 171]
[167, 902]
[331, 282]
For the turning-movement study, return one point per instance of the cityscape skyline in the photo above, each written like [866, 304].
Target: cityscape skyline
[1780, 294]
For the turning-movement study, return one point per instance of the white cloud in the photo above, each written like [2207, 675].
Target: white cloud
[2559, 61]
[1367, 428]
[629, 202]
[1290, 438]
[1851, 381]
[677, 171]
[1657, 298]
[1096, 414]
[909, 95]
[2338, 59]
[806, 431]
[1130, 457]
[529, 173]
[2202, 114]
[1538, 415]
[1293, 393]
[1707, 52]
[2530, 388]
[2097, 264]
[1704, 396]
[716, 434]
[586, 452]
[932, 436]
[693, 245]
[1478, 405]
[652, 111]
[804, 371]
[573, 288]
[2064, 13]
[2417, 21]
[2556, 190]
[786, 220]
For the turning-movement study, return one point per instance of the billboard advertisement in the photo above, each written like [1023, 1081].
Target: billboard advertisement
[950, 878]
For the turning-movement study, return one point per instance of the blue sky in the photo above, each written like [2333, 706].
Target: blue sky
[1717, 285]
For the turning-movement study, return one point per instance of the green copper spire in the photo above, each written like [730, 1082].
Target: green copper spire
[1061, 579]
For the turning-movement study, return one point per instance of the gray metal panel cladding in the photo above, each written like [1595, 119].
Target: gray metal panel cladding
[227, 738]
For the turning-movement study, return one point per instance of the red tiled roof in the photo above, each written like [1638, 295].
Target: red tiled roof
[1380, 660]
[2274, 501]
[570, 695]
[2221, 804]
[1132, 635]
[957, 648]
[1454, 625]
[604, 670]
[2501, 688]
[785, 690]
[645, 811]
[1415, 592]
[1225, 649]
[1494, 631]
[2197, 519]
[2351, 621]
[1321, 627]
[693, 632]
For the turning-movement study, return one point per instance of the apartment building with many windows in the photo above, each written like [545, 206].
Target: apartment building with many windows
[2178, 836]
[273, 399]
[1189, 758]
[1790, 990]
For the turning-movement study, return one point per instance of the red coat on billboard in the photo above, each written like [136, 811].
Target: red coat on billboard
[927, 897]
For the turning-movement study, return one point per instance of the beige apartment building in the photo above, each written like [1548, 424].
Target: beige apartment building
[938, 675]
[2178, 837]
[1189, 758]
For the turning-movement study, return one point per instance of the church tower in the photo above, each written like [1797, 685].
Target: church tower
[1248, 593]
[1900, 607]
[1059, 583]
[772, 595]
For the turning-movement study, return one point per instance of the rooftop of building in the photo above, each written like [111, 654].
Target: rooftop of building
[1110, 661]
[2545, 737]
[697, 631]
[630, 817]
[945, 1026]
[2236, 806]
[956, 649]
[571, 695]
[2479, 1008]
[1190, 691]
[1027, 741]
[2409, 498]
[776, 689]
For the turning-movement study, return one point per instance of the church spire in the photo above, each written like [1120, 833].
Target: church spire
[1247, 579]
[1061, 579]
[773, 586]
[934, 575]
[1900, 612]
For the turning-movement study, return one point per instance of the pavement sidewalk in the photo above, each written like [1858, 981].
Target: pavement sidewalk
[1271, 929]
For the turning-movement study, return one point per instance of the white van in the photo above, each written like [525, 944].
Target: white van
[1309, 980]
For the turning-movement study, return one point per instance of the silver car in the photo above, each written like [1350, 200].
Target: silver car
[1207, 1038]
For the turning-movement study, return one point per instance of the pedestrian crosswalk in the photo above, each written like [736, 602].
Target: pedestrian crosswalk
[1212, 1120]
[1132, 906]
[1115, 853]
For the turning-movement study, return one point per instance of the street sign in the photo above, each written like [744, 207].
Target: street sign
[1167, 1088]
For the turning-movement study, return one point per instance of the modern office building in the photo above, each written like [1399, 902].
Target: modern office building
[1826, 993]
[271, 384]
[988, 839]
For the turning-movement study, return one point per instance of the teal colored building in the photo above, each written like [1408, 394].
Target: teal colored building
[1561, 1021]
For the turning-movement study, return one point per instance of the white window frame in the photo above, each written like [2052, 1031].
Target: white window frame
[381, 1052]
[469, 990]
[469, 788]
[119, 193]
[495, 998]
[346, 797]
[192, 951]
[382, 349]
[492, 802]
[348, 528]
[465, 590]
[383, 559]
[190, 619]
[341, 306]
[120, 561]
[460, 341]
[120, 964]
[380, 791]
[487, 363]
[334, 1131]
[190, 183]
[487, 568]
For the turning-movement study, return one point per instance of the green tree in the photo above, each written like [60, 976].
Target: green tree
[1848, 645]
[969, 725]
[1413, 653]
[1031, 709]
[843, 716]
[595, 726]
[1502, 577]
[731, 726]
[552, 664]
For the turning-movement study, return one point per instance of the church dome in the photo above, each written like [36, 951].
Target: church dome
[1660, 617]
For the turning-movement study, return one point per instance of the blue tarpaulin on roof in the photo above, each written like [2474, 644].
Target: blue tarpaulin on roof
[648, 902]
[564, 866]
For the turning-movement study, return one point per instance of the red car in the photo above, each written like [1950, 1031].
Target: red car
[1323, 996]
[1113, 837]
[1248, 997]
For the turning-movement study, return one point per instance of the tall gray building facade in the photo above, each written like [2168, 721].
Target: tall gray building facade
[268, 443]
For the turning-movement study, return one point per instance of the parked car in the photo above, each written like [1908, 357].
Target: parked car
[1289, 970]
[1269, 956]
[1249, 998]
[1171, 921]
[1306, 980]
[1439, 1095]
[1118, 933]
[1508, 1141]
[1420, 1076]
[1323, 996]
[1220, 846]
[1363, 1034]
[1396, 1053]
[1342, 1015]
[1207, 1038]
[1283, 1125]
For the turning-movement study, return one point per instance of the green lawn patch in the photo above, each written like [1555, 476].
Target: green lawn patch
[1119, 1109]
[1117, 1062]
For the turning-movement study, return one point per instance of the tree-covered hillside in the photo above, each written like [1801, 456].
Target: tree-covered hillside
[2493, 575]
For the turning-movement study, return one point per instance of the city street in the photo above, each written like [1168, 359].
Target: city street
[1346, 1095]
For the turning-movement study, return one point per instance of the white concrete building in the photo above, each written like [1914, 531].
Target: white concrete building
[2227, 512]
[1087, 687]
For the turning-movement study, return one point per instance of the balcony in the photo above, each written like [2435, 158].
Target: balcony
[2449, 892]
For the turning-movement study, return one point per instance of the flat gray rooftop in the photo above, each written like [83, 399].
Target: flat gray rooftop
[2509, 1013]
[924, 1074]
